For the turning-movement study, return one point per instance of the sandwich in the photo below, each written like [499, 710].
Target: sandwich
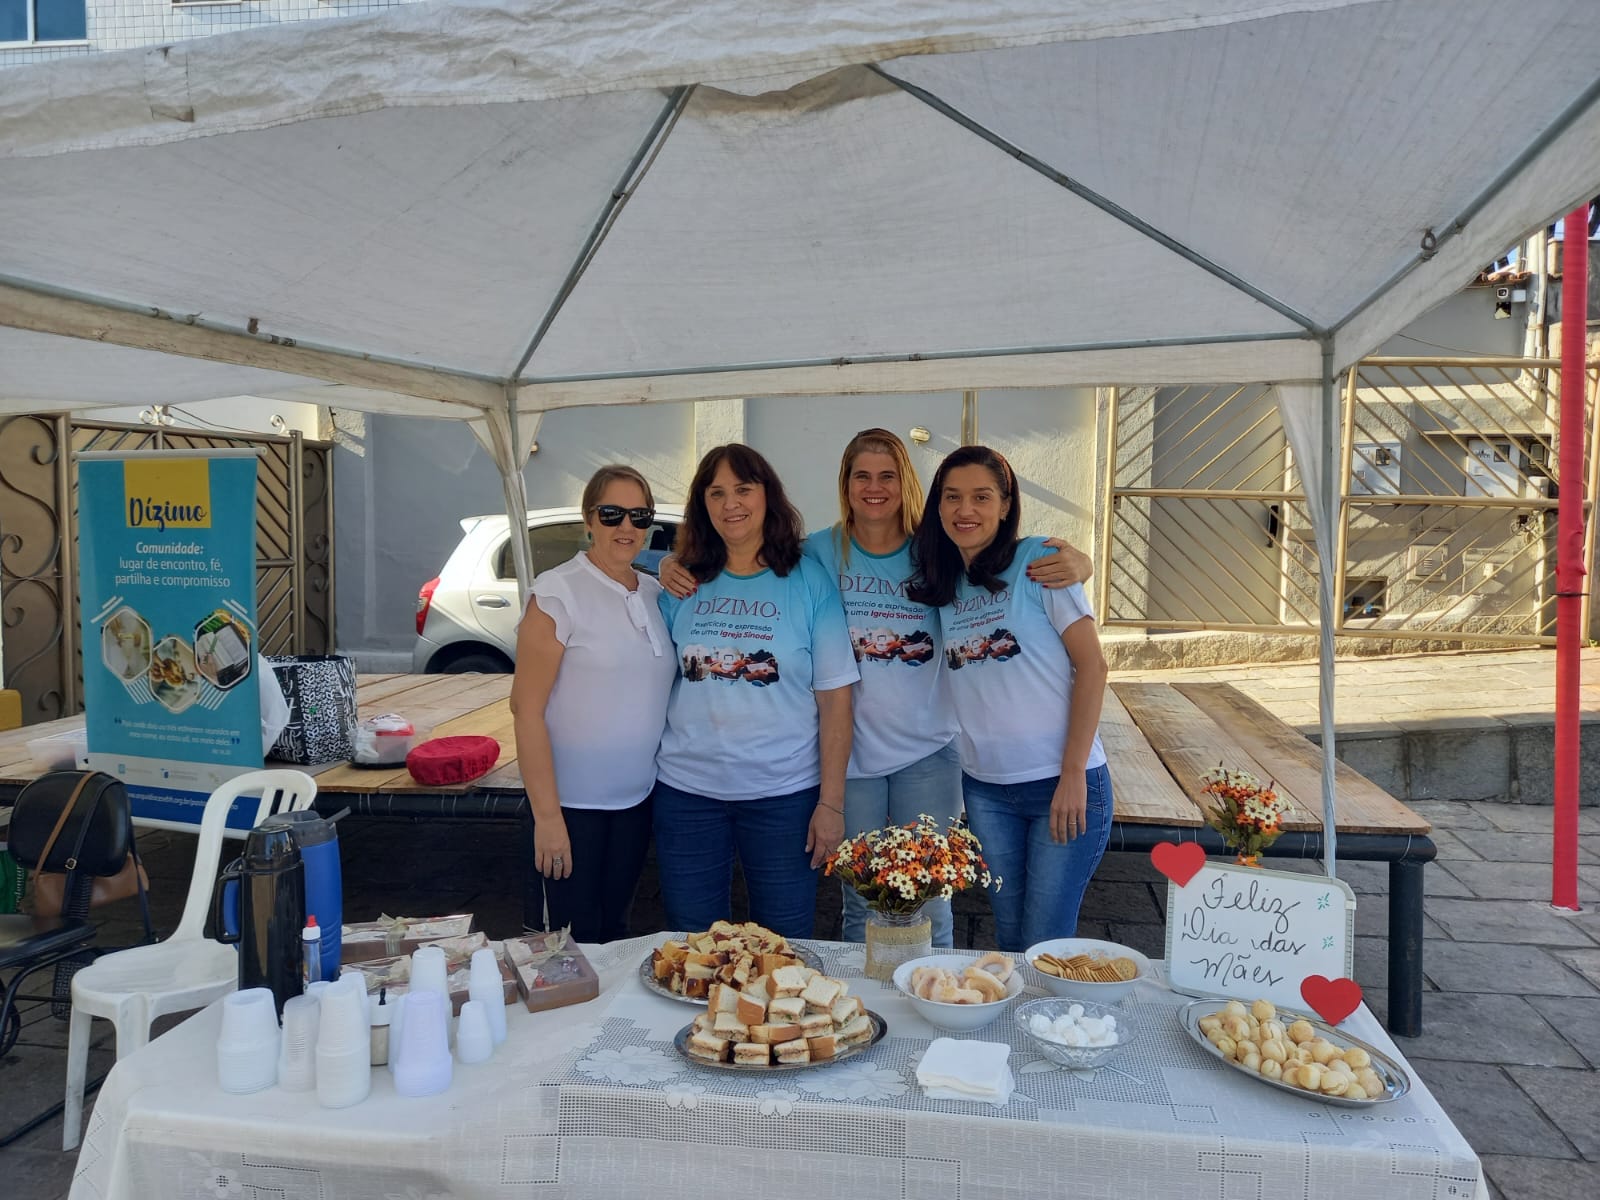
[857, 1030]
[787, 1008]
[752, 1054]
[844, 1009]
[797, 1051]
[821, 992]
[728, 1025]
[773, 1034]
[708, 1046]
[822, 1047]
[815, 1024]
[751, 1008]
[789, 981]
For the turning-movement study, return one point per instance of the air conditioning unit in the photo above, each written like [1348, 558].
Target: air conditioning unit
[1428, 564]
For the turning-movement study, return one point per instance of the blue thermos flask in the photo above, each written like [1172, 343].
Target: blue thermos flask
[318, 842]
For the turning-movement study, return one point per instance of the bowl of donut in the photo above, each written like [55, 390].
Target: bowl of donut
[959, 992]
[1088, 969]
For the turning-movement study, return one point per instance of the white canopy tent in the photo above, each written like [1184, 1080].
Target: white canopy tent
[488, 211]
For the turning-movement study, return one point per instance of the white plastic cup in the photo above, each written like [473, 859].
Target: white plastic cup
[429, 971]
[424, 1067]
[248, 1042]
[474, 1040]
[344, 1058]
[297, 1058]
[486, 987]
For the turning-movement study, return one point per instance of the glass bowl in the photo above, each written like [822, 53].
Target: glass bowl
[1077, 1058]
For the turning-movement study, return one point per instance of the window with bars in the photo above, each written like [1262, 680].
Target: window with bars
[43, 21]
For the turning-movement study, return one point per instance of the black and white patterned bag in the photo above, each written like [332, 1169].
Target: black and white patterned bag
[321, 692]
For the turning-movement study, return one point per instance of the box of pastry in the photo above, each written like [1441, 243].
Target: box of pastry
[388, 936]
[550, 970]
[394, 974]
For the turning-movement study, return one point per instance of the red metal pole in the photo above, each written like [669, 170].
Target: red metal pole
[1569, 554]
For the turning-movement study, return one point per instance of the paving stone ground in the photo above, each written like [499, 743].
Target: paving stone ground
[1511, 1041]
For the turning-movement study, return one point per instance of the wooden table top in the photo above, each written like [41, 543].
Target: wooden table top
[1160, 739]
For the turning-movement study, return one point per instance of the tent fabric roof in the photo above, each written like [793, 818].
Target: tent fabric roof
[582, 202]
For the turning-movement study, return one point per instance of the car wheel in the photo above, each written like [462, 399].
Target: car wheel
[481, 662]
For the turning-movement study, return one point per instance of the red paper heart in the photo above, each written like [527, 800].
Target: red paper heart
[1178, 861]
[1332, 999]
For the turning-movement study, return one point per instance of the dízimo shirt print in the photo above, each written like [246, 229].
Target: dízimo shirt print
[752, 651]
[1008, 675]
[901, 712]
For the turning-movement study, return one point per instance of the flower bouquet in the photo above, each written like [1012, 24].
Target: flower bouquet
[1248, 815]
[899, 869]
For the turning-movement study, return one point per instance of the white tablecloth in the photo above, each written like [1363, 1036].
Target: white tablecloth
[593, 1101]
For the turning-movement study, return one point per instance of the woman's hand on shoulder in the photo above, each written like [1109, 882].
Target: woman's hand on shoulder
[1067, 566]
[677, 581]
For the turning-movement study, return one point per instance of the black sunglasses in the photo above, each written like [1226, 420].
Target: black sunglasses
[611, 515]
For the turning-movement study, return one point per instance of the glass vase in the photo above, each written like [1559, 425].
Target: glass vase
[894, 938]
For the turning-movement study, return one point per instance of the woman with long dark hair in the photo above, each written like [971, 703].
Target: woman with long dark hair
[1027, 679]
[753, 759]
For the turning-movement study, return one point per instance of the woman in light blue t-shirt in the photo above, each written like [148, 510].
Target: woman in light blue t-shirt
[752, 761]
[1026, 677]
[902, 760]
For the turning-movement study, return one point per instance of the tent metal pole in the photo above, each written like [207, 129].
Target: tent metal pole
[1326, 582]
[516, 496]
[620, 194]
[1108, 206]
[1220, 339]
[1569, 556]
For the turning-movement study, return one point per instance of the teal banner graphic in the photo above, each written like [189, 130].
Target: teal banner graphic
[167, 576]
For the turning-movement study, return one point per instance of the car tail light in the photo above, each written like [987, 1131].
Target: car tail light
[424, 600]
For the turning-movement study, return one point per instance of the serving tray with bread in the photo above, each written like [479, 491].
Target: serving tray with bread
[795, 1017]
[729, 953]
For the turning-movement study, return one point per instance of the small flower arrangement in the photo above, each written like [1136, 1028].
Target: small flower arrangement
[901, 868]
[1248, 815]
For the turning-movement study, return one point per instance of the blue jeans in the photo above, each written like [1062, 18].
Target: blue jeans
[696, 837]
[1043, 881]
[932, 786]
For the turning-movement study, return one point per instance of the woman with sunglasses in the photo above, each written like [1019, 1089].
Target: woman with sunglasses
[902, 760]
[594, 670]
[1026, 679]
[752, 762]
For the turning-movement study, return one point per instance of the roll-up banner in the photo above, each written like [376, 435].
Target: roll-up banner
[167, 580]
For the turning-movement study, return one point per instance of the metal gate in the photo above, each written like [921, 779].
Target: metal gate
[1446, 530]
[38, 543]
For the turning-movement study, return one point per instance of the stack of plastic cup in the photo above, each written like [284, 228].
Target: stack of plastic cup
[247, 1046]
[397, 1021]
[297, 1059]
[487, 988]
[344, 1056]
[474, 1041]
[429, 972]
[424, 1067]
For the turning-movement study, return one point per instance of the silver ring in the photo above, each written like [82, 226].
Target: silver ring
[557, 860]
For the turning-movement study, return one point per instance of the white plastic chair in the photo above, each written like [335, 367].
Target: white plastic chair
[132, 987]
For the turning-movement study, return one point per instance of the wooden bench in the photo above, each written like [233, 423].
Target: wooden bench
[1162, 738]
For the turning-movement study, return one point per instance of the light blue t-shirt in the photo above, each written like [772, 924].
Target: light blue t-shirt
[901, 712]
[752, 650]
[1008, 675]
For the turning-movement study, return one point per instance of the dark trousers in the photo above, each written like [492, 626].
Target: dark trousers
[608, 850]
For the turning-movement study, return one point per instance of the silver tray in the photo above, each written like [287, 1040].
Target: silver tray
[1396, 1082]
[879, 1028]
[647, 975]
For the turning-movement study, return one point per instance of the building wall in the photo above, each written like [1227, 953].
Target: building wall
[125, 24]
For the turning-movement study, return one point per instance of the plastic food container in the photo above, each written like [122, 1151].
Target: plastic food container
[384, 741]
[60, 751]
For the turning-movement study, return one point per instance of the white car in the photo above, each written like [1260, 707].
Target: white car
[467, 615]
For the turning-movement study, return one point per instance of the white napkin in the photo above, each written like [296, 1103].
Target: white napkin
[952, 1070]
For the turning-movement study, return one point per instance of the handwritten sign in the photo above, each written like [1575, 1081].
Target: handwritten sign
[1248, 933]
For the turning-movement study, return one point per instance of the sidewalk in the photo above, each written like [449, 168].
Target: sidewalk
[1511, 1046]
